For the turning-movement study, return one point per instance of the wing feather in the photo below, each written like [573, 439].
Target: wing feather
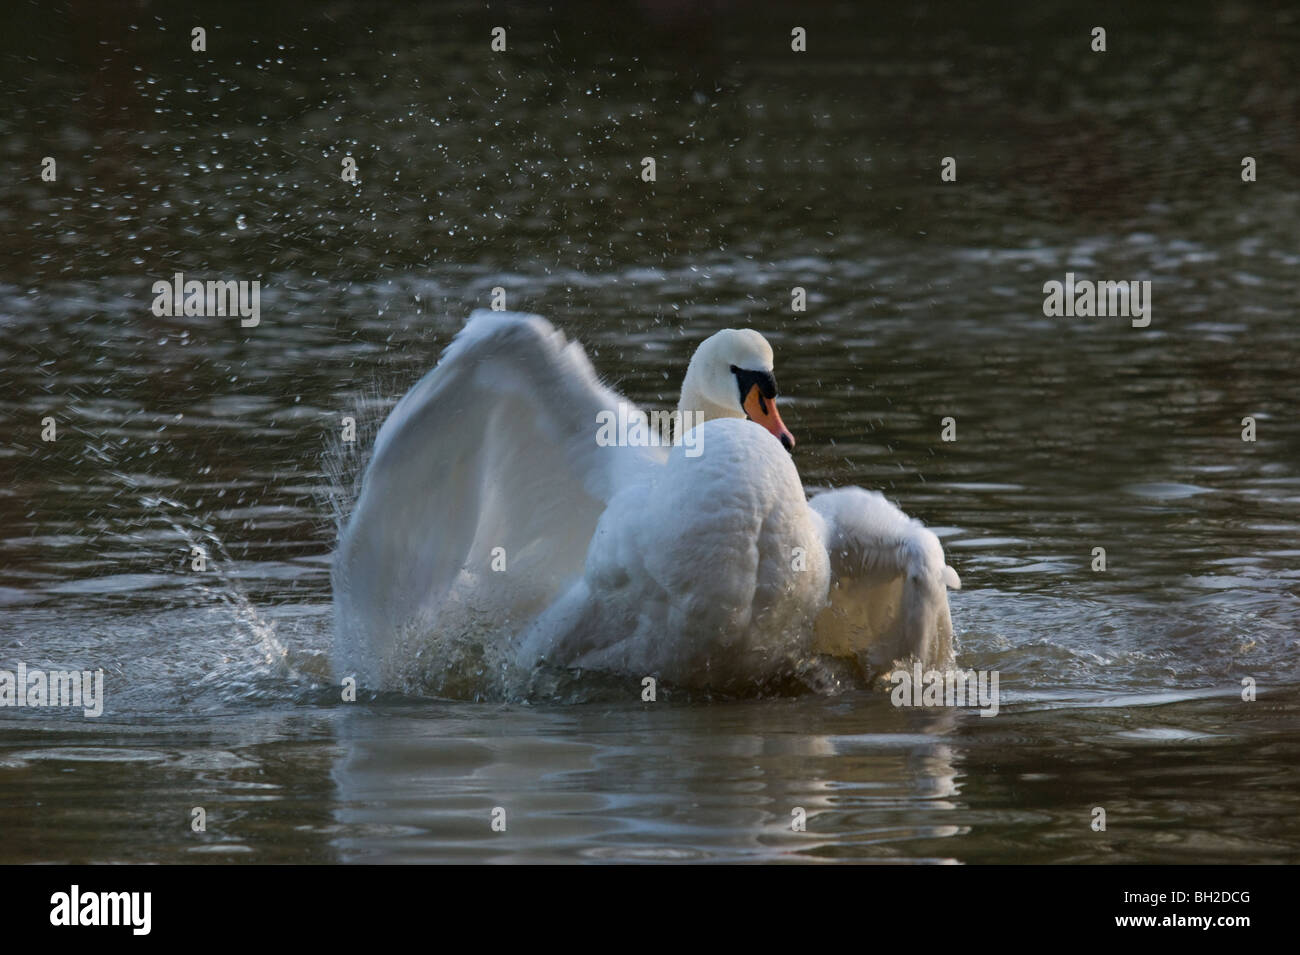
[494, 448]
[888, 599]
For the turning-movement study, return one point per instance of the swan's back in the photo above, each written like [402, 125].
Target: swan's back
[707, 577]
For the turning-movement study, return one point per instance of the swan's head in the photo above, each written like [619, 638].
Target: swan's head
[730, 376]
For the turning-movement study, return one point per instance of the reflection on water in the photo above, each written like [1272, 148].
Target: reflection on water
[1183, 778]
[1121, 689]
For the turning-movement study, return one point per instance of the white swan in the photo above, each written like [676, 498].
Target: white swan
[490, 509]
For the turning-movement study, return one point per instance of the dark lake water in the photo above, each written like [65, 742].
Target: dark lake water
[1121, 689]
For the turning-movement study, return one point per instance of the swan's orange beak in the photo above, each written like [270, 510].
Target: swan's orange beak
[763, 410]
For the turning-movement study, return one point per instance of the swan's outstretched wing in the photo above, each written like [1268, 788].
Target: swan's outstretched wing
[888, 598]
[480, 498]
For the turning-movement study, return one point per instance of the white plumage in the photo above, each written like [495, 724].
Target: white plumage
[490, 517]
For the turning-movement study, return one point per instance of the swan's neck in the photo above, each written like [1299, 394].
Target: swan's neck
[701, 408]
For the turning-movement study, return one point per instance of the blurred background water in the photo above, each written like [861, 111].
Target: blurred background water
[1120, 689]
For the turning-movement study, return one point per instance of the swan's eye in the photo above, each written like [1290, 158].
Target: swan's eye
[758, 401]
[746, 379]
